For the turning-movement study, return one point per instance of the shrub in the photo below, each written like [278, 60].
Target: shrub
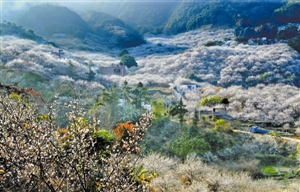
[37, 155]
[123, 52]
[221, 125]
[295, 43]
[210, 101]
[181, 147]
[128, 61]
[213, 43]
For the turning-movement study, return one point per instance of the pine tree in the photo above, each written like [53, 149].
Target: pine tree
[195, 118]
[180, 111]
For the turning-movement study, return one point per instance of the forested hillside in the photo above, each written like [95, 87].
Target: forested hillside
[173, 17]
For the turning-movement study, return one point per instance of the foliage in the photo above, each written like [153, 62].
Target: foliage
[90, 75]
[144, 176]
[244, 33]
[128, 61]
[158, 108]
[295, 43]
[241, 39]
[213, 43]
[192, 139]
[210, 100]
[104, 134]
[140, 95]
[121, 128]
[269, 170]
[183, 146]
[179, 110]
[289, 31]
[195, 119]
[264, 76]
[123, 52]
[287, 13]
[38, 155]
[192, 76]
[221, 125]
[120, 103]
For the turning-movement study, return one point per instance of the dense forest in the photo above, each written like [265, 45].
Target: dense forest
[66, 125]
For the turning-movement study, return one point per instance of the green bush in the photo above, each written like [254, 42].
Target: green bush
[183, 146]
[123, 52]
[128, 61]
[295, 43]
[221, 125]
[192, 76]
[269, 170]
[241, 39]
[213, 43]
[210, 101]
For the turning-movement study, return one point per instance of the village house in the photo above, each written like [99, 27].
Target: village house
[185, 88]
[60, 53]
[114, 70]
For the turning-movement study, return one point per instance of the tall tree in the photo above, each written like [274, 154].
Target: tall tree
[195, 118]
[179, 110]
[140, 94]
[126, 91]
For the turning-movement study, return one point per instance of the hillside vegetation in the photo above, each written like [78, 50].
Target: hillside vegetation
[173, 17]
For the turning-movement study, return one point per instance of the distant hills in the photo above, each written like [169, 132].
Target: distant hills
[173, 17]
[47, 20]
[50, 20]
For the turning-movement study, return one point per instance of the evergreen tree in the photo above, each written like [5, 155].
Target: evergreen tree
[195, 118]
[91, 75]
[140, 94]
[126, 91]
[180, 111]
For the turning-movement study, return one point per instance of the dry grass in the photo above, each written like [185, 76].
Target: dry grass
[195, 176]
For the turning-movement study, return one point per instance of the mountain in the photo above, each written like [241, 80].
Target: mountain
[173, 17]
[47, 20]
[112, 28]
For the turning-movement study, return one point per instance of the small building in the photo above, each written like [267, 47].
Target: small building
[251, 41]
[114, 70]
[95, 69]
[220, 112]
[60, 53]
[185, 88]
